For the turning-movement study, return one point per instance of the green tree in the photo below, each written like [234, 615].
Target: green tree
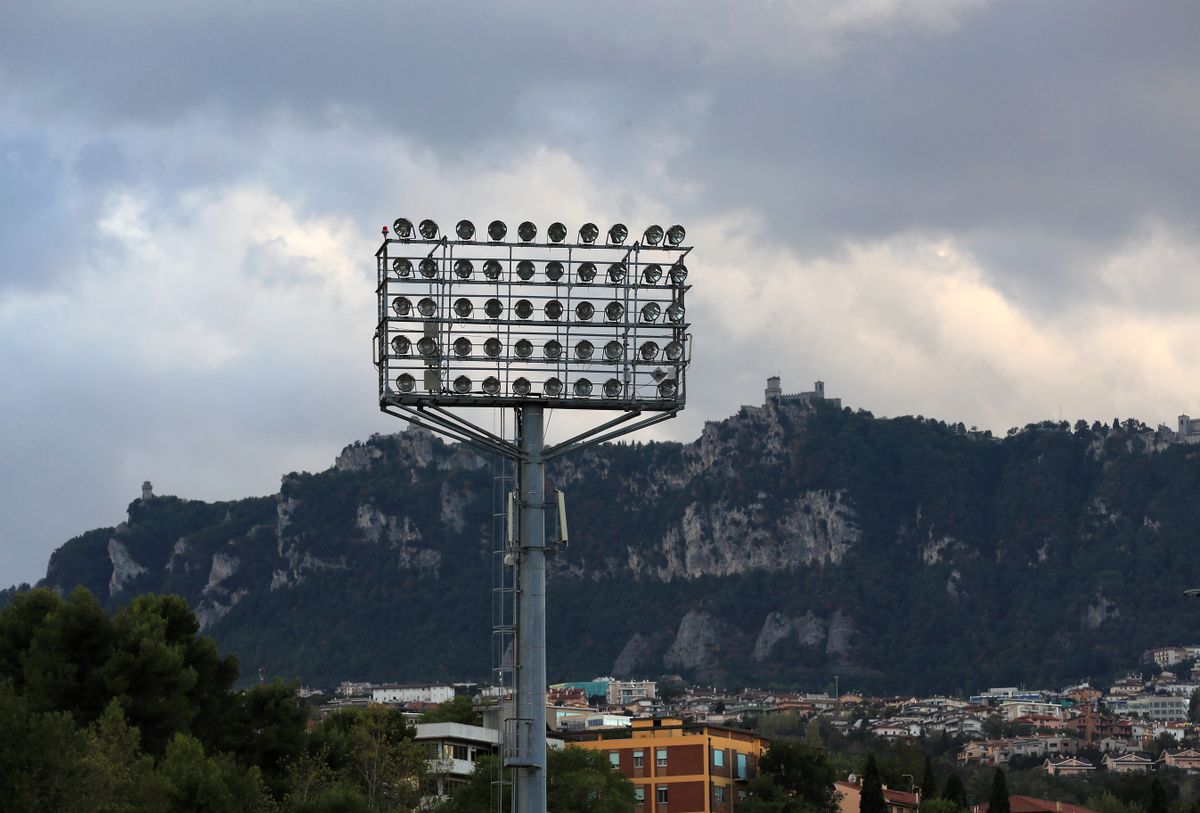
[272, 721]
[458, 710]
[935, 805]
[955, 792]
[998, 803]
[872, 789]
[928, 780]
[578, 780]
[1194, 707]
[211, 784]
[1158, 798]
[802, 773]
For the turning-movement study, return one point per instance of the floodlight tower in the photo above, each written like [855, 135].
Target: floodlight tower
[530, 325]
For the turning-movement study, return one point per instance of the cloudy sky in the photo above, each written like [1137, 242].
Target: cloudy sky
[977, 211]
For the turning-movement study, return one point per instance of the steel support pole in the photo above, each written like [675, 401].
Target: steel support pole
[530, 779]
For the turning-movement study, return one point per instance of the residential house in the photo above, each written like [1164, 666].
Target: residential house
[1067, 766]
[1184, 759]
[849, 798]
[1127, 763]
[1031, 804]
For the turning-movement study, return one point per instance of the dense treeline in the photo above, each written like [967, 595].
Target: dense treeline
[133, 712]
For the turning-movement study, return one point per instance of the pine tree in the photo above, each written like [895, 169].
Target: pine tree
[1158, 798]
[999, 801]
[872, 789]
[955, 792]
[928, 781]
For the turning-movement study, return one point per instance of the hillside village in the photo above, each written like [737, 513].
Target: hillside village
[1144, 722]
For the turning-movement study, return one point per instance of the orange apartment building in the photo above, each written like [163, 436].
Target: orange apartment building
[678, 768]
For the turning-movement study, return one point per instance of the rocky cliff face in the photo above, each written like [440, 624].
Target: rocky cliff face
[785, 544]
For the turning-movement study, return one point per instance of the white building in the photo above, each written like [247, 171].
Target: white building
[453, 748]
[1158, 707]
[411, 693]
[621, 692]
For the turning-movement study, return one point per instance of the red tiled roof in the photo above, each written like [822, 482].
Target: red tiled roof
[1030, 804]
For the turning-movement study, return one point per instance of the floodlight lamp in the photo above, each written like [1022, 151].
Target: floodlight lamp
[676, 234]
[492, 347]
[674, 351]
[463, 307]
[586, 272]
[463, 268]
[493, 308]
[584, 311]
[583, 388]
[492, 269]
[613, 350]
[521, 386]
[462, 385]
[497, 230]
[428, 229]
[612, 388]
[552, 349]
[401, 345]
[525, 270]
[523, 348]
[403, 228]
[617, 234]
[557, 232]
[491, 385]
[462, 346]
[678, 273]
[402, 306]
[667, 388]
[524, 309]
[526, 231]
[652, 273]
[405, 382]
[553, 387]
[465, 230]
[675, 312]
[427, 307]
[649, 351]
[427, 346]
[588, 233]
[402, 267]
[651, 312]
[554, 270]
[652, 236]
[554, 310]
[583, 350]
[616, 272]
[613, 311]
[428, 268]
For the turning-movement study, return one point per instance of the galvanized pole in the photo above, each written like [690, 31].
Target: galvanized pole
[530, 665]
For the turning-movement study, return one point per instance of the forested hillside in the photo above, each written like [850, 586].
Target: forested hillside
[788, 543]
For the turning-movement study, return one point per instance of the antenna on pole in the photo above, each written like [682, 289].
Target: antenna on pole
[561, 498]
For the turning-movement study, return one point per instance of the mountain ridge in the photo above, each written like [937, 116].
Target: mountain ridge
[786, 543]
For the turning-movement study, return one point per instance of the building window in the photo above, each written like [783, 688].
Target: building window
[639, 795]
[742, 770]
[719, 795]
[718, 758]
[639, 761]
[660, 794]
[459, 751]
[660, 757]
[614, 759]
